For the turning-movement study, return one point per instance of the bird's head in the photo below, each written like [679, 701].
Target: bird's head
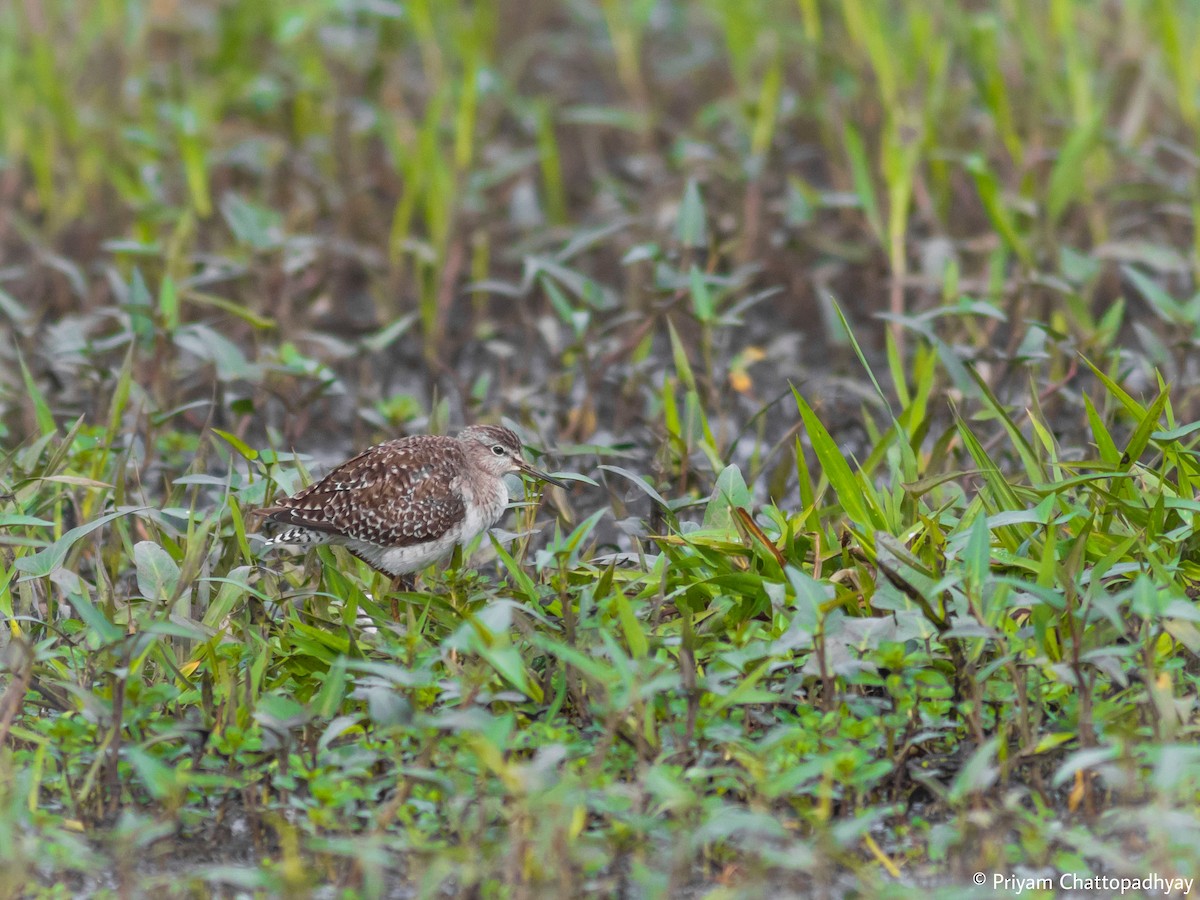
[498, 449]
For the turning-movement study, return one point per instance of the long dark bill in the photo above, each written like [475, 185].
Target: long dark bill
[540, 475]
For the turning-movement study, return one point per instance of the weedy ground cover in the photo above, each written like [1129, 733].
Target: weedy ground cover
[869, 329]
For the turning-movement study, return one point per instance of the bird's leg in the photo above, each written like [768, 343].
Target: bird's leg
[400, 584]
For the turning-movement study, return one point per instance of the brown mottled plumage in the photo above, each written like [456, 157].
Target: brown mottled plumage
[404, 504]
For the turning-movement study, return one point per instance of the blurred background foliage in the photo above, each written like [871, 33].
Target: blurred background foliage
[377, 202]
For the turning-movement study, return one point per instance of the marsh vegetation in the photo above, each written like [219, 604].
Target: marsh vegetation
[868, 328]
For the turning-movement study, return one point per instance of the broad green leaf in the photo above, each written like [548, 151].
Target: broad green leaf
[745, 691]
[510, 665]
[635, 636]
[730, 491]
[977, 774]
[1134, 408]
[159, 779]
[245, 450]
[328, 699]
[256, 226]
[50, 558]
[977, 554]
[691, 227]
[157, 571]
[837, 470]
[1141, 435]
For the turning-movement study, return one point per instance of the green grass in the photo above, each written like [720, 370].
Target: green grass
[869, 328]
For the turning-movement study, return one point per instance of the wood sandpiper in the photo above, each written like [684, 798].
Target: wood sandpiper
[402, 505]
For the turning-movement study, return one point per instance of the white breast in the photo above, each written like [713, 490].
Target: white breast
[483, 513]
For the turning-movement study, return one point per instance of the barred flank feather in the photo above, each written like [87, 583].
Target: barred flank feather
[299, 537]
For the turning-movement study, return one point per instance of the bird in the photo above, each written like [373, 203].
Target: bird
[402, 505]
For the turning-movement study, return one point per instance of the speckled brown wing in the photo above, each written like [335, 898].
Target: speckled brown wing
[395, 494]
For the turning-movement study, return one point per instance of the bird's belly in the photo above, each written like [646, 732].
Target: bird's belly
[402, 560]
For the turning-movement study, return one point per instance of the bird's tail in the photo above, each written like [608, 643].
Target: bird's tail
[298, 537]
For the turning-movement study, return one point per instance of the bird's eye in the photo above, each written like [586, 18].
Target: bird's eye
[497, 449]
